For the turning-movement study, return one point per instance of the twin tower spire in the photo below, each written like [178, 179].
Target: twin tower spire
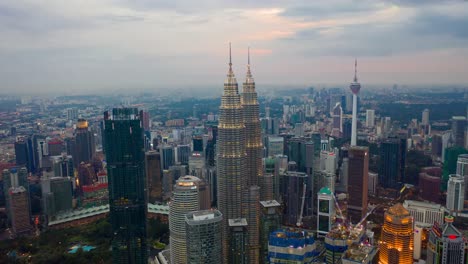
[249, 78]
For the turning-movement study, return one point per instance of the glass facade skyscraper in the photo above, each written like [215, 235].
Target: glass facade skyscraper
[125, 156]
[203, 236]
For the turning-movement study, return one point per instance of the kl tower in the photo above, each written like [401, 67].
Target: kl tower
[355, 87]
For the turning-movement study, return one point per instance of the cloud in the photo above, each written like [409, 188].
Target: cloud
[406, 31]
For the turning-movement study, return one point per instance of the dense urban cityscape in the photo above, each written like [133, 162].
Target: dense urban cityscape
[340, 172]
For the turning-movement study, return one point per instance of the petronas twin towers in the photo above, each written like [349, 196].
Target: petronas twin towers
[239, 164]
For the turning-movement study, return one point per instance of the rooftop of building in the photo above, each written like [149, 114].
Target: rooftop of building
[398, 210]
[344, 231]
[359, 252]
[291, 237]
[409, 204]
[237, 222]
[270, 203]
[325, 190]
[203, 215]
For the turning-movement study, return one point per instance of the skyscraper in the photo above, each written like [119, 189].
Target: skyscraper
[459, 130]
[370, 118]
[462, 170]
[154, 176]
[455, 192]
[19, 210]
[325, 211]
[185, 199]
[358, 169]
[183, 154]
[231, 158]
[167, 156]
[203, 237]
[84, 147]
[337, 116]
[425, 117]
[389, 167]
[446, 244]
[355, 88]
[123, 132]
[397, 236]
[253, 141]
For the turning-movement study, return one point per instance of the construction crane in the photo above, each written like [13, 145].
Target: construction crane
[299, 220]
[338, 206]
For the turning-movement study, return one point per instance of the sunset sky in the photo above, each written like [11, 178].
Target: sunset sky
[80, 45]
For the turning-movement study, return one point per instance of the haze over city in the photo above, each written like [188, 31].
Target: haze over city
[83, 46]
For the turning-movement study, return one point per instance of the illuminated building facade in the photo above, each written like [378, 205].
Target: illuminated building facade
[446, 244]
[254, 150]
[185, 199]
[124, 147]
[232, 177]
[396, 244]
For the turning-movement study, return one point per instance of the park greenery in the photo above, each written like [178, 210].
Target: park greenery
[52, 246]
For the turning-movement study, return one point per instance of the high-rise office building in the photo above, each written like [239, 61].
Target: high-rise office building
[57, 193]
[446, 244]
[167, 156]
[397, 236]
[203, 237]
[370, 118]
[269, 221]
[462, 165]
[355, 88]
[86, 174]
[14, 178]
[294, 187]
[275, 146]
[436, 145]
[154, 176]
[185, 199]
[455, 193]
[459, 130]
[19, 210]
[72, 114]
[238, 241]
[425, 117]
[358, 169]
[124, 147]
[325, 211]
[62, 165]
[337, 117]
[389, 167]
[462, 170]
[55, 146]
[24, 153]
[232, 175]
[183, 154]
[299, 153]
[84, 147]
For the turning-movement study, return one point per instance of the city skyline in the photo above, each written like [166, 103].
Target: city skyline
[80, 47]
